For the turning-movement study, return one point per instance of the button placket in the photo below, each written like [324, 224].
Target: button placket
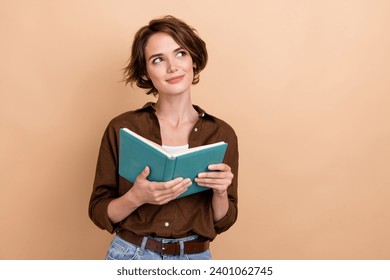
[196, 128]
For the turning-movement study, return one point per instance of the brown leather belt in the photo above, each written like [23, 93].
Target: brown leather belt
[190, 247]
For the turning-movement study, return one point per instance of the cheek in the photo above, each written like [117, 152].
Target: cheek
[191, 72]
[153, 74]
[188, 66]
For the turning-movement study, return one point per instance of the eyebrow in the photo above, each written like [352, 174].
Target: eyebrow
[161, 54]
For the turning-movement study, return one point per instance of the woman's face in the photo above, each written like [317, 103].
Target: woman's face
[169, 66]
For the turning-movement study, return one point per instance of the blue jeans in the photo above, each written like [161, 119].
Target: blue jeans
[120, 249]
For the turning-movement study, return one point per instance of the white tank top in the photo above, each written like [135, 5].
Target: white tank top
[175, 149]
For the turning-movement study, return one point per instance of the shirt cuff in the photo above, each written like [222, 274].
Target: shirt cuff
[101, 218]
[227, 221]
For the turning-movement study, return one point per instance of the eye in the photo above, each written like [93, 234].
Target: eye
[157, 60]
[181, 53]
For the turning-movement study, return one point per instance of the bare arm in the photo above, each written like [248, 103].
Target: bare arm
[219, 181]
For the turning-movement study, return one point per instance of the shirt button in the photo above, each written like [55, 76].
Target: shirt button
[166, 224]
[196, 129]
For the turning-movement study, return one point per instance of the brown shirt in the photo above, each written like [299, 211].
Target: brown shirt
[180, 217]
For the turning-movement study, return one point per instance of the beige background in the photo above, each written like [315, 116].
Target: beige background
[304, 83]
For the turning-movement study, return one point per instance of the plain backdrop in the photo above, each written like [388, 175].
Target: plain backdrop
[304, 83]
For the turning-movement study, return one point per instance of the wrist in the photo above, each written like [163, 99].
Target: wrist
[221, 193]
[133, 199]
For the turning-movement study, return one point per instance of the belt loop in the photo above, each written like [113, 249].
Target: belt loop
[143, 244]
[181, 242]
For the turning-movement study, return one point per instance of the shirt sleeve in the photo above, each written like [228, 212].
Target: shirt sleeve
[231, 159]
[106, 180]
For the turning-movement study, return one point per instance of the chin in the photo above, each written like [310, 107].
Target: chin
[176, 89]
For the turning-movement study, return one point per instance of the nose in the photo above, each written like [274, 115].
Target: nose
[172, 68]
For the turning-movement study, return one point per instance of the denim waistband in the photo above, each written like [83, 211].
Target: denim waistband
[174, 240]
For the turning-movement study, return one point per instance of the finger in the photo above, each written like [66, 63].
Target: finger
[162, 186]
[218, 187]
[172, 183]
[167, 195]
[219, 167]
[181, 187]
[213, 181]
[172, 186]
[217, 175]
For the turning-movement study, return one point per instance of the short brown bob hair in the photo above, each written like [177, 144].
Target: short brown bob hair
[184, 35]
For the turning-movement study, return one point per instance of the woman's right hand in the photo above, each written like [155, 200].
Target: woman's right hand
[158, 193]
[145, 191]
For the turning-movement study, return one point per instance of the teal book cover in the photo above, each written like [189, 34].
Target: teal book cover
[137, 152]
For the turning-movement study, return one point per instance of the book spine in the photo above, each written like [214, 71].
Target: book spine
[169, 168]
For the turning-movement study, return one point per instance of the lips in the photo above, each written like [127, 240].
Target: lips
[175, 80]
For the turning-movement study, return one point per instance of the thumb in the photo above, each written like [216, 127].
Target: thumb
[144, 173]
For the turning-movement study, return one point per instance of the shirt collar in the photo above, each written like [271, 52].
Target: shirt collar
[149, 107]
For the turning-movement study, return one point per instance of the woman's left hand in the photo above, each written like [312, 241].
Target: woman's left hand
[219, 178]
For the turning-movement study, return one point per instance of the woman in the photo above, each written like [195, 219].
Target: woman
[167, 57]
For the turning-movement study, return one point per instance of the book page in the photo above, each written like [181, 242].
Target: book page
[165, 152]
[199, 148]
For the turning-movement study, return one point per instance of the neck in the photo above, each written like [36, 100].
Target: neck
[175, 110]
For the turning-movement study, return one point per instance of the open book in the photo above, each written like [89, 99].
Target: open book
[137, 152]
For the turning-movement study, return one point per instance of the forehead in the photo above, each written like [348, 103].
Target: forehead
[160, 43]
